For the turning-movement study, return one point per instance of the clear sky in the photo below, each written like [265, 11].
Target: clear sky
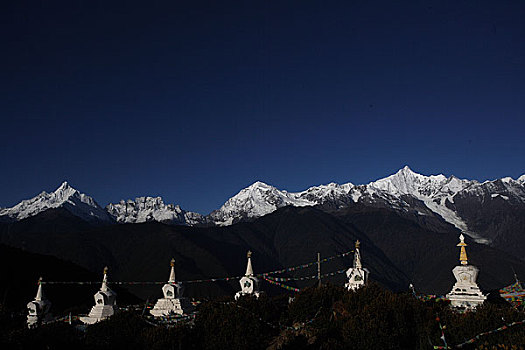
[194, 100]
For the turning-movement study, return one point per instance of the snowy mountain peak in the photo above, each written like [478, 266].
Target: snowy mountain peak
[507, 179]
[406, 170]
[521, 179]
[405, 181]
[255, 200]
[63, 186]
[407, 173]
[64, 192]
[260, 184]
[64, 196]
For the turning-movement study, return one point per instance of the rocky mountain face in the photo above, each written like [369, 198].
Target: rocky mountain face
[144, 209]
[495, 210]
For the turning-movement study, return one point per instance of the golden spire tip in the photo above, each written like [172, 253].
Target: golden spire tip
[463, 251]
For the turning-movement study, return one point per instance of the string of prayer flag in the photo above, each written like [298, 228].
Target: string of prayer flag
[263, 275]
[282, 285]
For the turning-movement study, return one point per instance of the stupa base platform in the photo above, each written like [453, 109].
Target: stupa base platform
[175, 306]
[98, 313]
[254, 294]
[466, 301]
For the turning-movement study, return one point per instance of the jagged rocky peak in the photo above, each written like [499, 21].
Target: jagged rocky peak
[65, 192]
[331, 187]
[510, 181]
[64, 186]
[64, 196]
[334, 194]
[454, 184]
[144, 209]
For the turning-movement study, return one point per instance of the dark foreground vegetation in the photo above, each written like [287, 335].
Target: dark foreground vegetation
[318, 318]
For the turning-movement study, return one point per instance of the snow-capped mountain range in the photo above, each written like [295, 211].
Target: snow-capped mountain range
[404, 191]
[436, 194]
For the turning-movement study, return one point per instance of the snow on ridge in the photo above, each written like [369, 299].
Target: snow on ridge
[322, 193]
[495, 195]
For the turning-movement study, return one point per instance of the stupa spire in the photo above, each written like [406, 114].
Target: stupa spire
[357, 256]
[172, 272]
[515, 275]
[249, 268]
[39, 293]
[104, 287]
[463, 252]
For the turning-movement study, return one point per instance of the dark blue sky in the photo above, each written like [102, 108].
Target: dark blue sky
[195, 100]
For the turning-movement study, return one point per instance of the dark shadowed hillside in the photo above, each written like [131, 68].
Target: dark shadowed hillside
[20, 271]
[141, 252]
[397, 249]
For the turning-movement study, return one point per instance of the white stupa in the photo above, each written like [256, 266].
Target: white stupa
[357, 275]
[38, 309]
[173, 303]
[249, 283]
[465, 294]
[105, 300]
